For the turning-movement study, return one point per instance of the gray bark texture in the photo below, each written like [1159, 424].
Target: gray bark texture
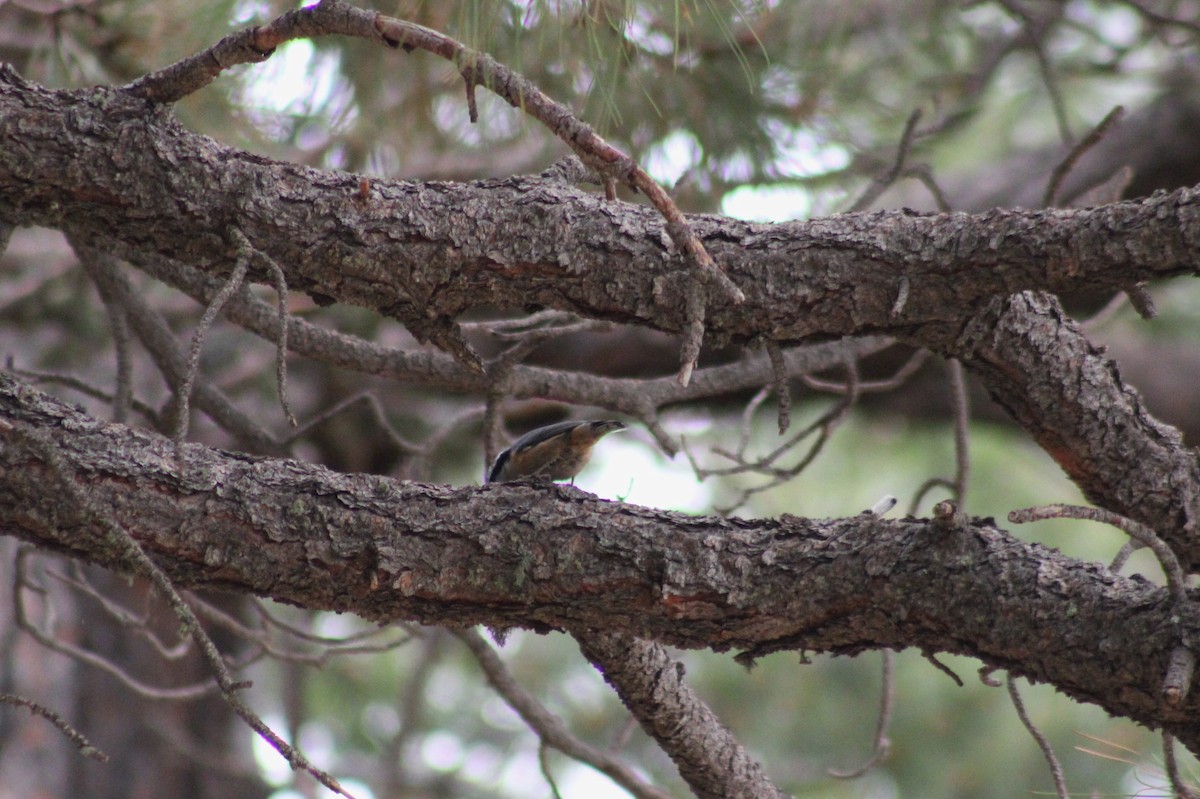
[120, 174]
[559, 558]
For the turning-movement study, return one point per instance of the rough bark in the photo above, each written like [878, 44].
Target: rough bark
[651, 685]
[119, 173]
[558, 558]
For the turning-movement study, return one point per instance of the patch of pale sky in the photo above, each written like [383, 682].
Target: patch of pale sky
[1118, 25]
[577, 779]
[381, 720]
[336, 625]
[299, 81]
[801, 154]
[442, 750]
[445, 686]
[318, 744]
[667, 160]
[522, 775]
[767, 203]
[636, 471]
[250, 11]
[640, 29]
[274, 769]
[483, 762]
[499, 714]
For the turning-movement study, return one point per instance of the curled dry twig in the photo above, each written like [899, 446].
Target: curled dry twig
[883, 745]
[1177, 681]
[1060, 783]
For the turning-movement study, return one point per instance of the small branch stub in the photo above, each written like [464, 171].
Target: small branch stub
[1178, 681]
[947, 516]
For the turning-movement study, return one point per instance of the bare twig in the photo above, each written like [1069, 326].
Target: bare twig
[325, 651]
[925, 488]
[1097, 134]
[150, 414]
[1034, 33]
[922, 173]
[881, 182]
[962, 429]
[544, 763]
[1060, 784]
[1179, 787]
[901, 296]
[1119, 560]
[549, 728]
[540, 328]
[1105, 314]
[123, 391]
[1137, 531]
[377, 415]
[823, 428]
[271, 620]
[1177, 682]
[281, 349]
[22, 584]
[1106, 191]
[1141, 301]
[183, 394]
[492, 422]
[693, 337]
[153, 331]
[623, 734]
[138, 623]
[162, 345]
[638, 398]
[73, 735]
[825, 423]
[948, 516]
[931, 657]
[909, 368]
[883, 745]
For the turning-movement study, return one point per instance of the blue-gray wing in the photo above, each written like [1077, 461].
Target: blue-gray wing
[535, 437]
[530, 439]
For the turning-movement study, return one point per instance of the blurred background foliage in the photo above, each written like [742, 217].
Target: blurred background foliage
[766, 110]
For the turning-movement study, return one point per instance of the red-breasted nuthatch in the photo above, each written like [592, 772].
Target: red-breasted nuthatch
[554, 452]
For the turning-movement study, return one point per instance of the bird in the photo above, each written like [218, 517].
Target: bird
[554, 452]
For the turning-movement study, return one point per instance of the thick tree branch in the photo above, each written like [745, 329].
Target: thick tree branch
[111, 168]
[555, 557]
[1038, 365]
[714, 764]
